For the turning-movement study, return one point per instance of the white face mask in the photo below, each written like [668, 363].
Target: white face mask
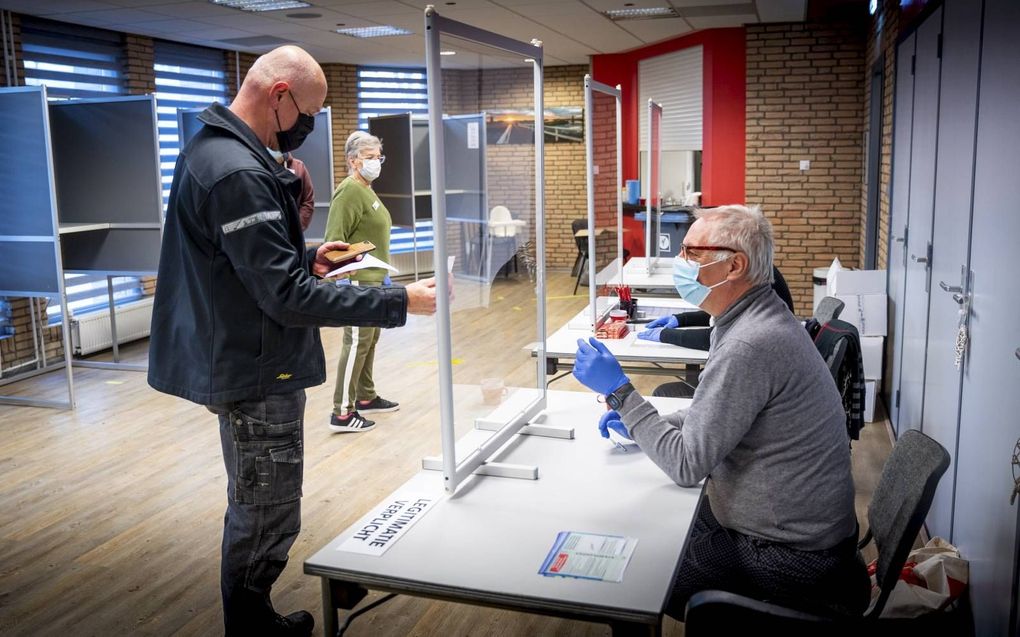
[370, 169]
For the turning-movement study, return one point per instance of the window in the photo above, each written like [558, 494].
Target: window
[186, 77]
[674, 80]
[383, 91]
[77, 62]
[71, 61]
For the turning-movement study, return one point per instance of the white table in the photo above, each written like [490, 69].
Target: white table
[636, 356]
[485, 544]
[635, 274]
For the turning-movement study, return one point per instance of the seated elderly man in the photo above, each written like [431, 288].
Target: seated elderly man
[766, 430]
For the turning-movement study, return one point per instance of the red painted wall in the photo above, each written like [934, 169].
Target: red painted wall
[722, 178]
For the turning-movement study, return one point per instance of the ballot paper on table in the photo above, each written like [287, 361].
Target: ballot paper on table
[367, 262]
[589, 556]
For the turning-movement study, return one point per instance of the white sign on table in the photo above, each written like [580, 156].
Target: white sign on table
[379, 530]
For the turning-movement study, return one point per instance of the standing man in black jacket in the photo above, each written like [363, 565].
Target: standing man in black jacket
[236, 316]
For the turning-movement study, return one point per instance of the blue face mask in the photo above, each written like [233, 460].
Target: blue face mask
[685, 278]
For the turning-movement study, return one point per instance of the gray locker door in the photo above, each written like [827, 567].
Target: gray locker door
[961, 46]
[913, 337]
[985, 524]
[902, 129]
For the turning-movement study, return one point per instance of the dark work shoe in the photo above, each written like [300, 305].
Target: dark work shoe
[378, 405]
[299, 624]
[351, 423]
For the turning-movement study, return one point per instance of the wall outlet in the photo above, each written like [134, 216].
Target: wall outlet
[805, 164]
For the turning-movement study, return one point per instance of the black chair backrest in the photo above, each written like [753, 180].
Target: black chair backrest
[828, 308]
[582, 242]
[900, 504]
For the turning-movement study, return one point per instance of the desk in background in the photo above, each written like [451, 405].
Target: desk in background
[484, 545]
[636, 356]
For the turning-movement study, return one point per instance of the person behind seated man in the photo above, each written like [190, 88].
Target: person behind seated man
[766, 430]
[693, 329]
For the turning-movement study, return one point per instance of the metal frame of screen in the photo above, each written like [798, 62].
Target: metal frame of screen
[30, 272]
[476, 462]
[653, 199]
[591, 86]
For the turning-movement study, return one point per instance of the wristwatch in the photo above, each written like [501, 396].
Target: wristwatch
[616, 398]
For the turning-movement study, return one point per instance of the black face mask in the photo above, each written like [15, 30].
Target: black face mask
[293, 137]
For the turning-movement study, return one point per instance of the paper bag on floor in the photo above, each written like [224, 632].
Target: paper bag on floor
[932, 578]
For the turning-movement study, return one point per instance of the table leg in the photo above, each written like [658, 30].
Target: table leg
[338, 595]
[329, 624]
[691, 373]
[552, 366]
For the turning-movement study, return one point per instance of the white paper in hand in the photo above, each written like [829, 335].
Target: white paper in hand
[367, 262]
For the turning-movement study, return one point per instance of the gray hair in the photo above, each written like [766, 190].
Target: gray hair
[743, 228]
[359, 140]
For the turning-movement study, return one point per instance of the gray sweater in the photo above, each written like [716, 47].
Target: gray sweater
[766, 427]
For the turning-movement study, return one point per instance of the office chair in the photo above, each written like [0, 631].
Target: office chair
[582, 249]
[895, 515]
[828, 308]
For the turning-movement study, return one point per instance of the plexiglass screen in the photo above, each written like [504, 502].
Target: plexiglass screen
[653, 191]
[489, 157]
[607, 256]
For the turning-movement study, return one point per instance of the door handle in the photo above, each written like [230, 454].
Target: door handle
[919, 259]
[950, 288]
[899, 239]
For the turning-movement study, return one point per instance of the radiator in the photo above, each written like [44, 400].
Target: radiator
[404, 261]
[91, 332]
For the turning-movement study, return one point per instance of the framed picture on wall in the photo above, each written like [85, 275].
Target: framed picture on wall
[563, 124]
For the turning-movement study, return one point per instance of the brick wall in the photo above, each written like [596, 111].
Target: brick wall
[342, 97]
[237, 67]
[139, 56]
[469, 91]
[605, 185]
[805, 100]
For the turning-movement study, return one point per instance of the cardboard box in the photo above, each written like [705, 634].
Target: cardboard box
[867, 312]
[853, 282]
[871, 352]
[869, 400]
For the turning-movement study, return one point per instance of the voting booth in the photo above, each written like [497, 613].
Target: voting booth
[316, 152]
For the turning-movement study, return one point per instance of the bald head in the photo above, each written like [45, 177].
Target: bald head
[263, 102]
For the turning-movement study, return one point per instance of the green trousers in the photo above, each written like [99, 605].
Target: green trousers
[354, 370]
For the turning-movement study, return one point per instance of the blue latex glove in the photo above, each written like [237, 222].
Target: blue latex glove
[651, 334]
[387, 281]
[596, 368]
[611, 420]
[668, 321]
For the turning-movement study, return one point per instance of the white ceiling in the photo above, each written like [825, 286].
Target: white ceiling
[571, 30]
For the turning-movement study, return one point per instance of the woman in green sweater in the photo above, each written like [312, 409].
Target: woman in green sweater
[356, 214]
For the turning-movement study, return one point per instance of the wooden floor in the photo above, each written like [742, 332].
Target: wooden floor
[111, 515]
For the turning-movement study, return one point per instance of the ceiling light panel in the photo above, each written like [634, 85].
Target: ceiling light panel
[641, 13]
[262, 5]
[373, 32]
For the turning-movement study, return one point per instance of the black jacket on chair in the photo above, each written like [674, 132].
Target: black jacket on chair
[236, 310]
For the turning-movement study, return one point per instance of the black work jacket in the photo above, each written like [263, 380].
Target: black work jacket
[236, 310]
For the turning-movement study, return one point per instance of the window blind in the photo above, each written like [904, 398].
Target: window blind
[71, 60]
[186, 77]
[673, 80]
[386, 91]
